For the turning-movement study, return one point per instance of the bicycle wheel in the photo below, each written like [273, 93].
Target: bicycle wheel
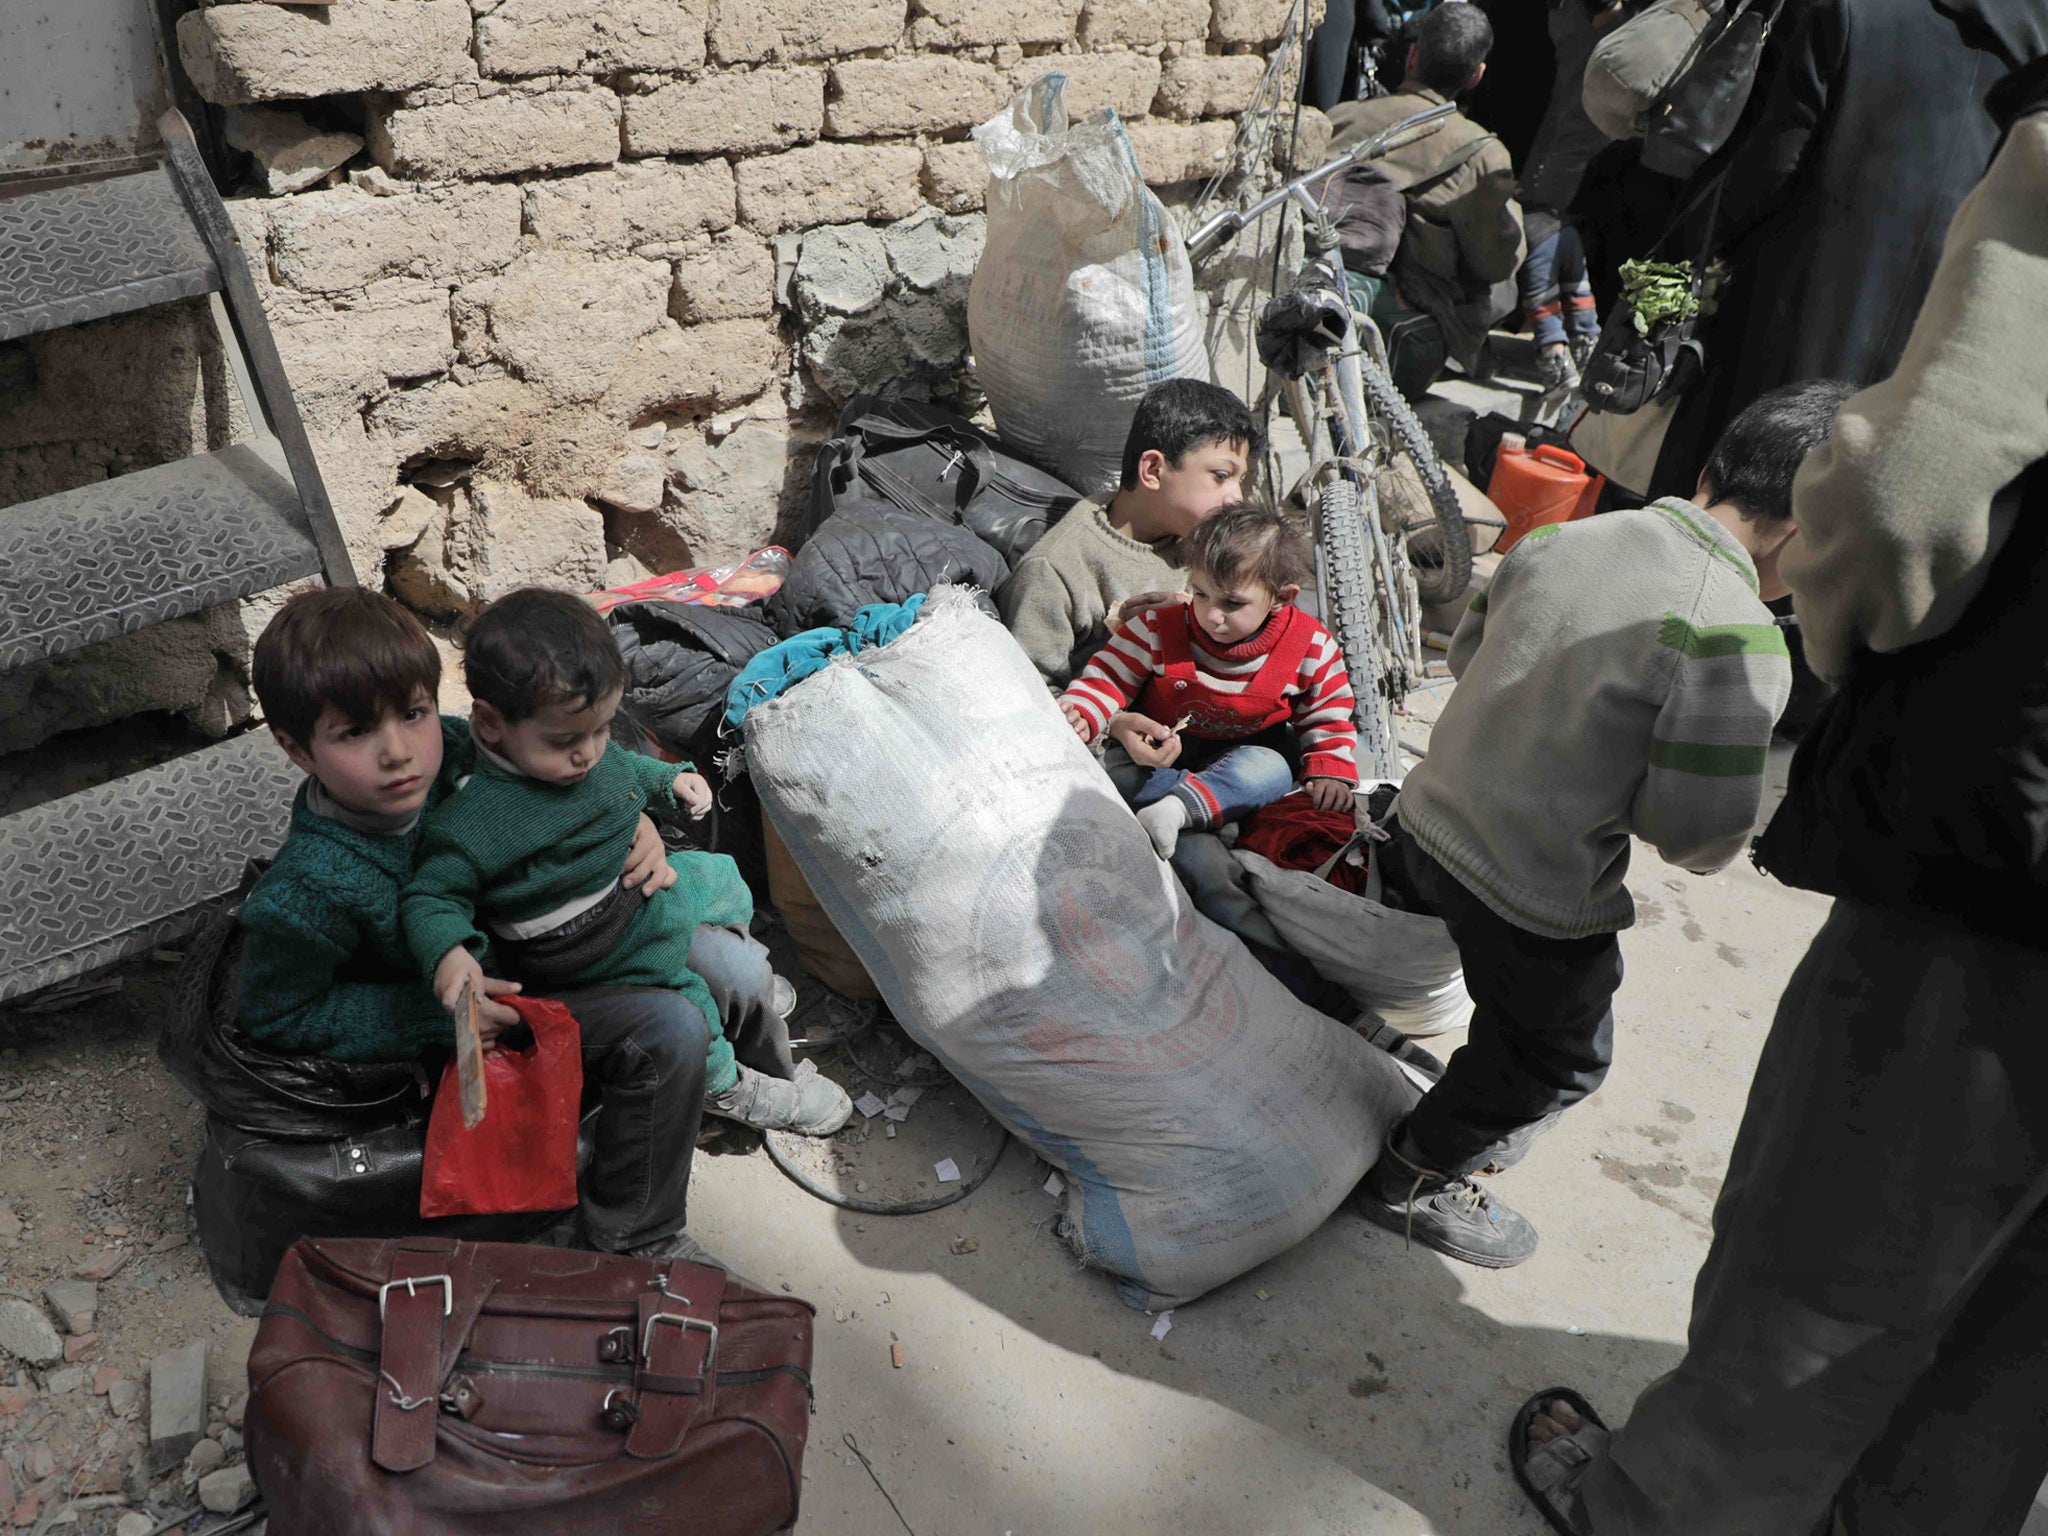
[1417, 504]
[1351, 613]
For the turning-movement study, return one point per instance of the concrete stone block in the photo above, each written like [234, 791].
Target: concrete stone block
[359, 343]
[497, 135]
[75, 1302]
[561, 319]
[25, 1334]
[632, 206]
[634, 482]
[727, 114]
[288, 153]
[984, 23]
[334, 241]
[1170, 152]
[746, 31]
[237, 54]
[1109, 23]
[177, 1403]
[728, 277]
[227, 1490]
[579, 37]
[955, 176]
[684, 368]
[840, 270]
[877, 98]
[1209, 85]
[729, 490]
[1259, 22]
[525, 541]
[1121, 79]
[932, 251]
[829, 184]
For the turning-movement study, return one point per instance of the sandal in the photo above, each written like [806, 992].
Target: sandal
[1550, 1473]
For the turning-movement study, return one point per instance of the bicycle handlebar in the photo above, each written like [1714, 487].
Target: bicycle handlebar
[1224, 227]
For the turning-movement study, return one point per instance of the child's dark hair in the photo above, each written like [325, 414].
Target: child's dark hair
[347, 648]
[1250, 541]
[1452, 42]
[534, 647]
[1182, 414]
[1761, 450]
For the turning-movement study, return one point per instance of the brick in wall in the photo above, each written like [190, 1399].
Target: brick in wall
[237, 54]
[1209, 85]
[329, 242]
[984, 23]
[829, 184]
[746, 31]
[498, 135]
[738, 113]
[567, 37]
[1107, 23]
[1121, 79]
[641, 205]
[873, 98]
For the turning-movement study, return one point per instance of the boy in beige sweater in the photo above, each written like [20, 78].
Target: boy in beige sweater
[1189, 449]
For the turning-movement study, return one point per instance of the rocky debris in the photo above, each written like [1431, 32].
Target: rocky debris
[79, 1346]
[10, 1226]
[68, 1378]
[13, 1400]
[105, 1379]
[134, 1523]
[207, 1456]
[26, 1334]
[177, 1402]
[289, 153]
[103, 1265]
[880, 305]
[123, 1397]
[227, 1490]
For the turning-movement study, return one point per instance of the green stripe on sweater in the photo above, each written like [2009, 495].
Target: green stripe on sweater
[1681, 512]
[1707, 759]
[1478, 603]
[1701, 642]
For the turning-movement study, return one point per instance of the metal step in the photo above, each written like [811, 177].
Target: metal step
[84, 248]
[128, 865]
[120, 555]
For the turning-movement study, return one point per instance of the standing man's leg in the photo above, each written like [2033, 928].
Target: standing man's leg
[1891, 1154]
[643, 1049]
[1329, 56]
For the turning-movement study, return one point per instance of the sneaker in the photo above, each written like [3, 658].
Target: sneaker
[1451, 1214]
[784, 998]
[1556, 370]
[810, 1106]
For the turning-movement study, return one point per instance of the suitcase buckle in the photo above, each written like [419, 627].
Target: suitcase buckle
[616, 1345]
[619, 1412]
[411, 1283]
[686, 1324]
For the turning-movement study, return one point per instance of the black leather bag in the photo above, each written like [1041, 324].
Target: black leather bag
[1698, 111]
[1629, 370]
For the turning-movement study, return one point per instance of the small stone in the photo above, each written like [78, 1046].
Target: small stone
[103, 1380]
[67, 1378]
[134, 1523]
[207, 1456]
[376, 181]
[102, 1265]
[290, 154]
[177, 1402]
[227, 1490]
[76, 1349]
[231, 1440]
[26, 1334]
[13, 1400]
[74, 1302]
[122, 1398]
[237, 1408]
[41, 1461]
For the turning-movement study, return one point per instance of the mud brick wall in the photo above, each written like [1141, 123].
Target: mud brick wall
[569, 288]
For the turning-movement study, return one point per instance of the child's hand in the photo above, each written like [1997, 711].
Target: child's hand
[647, 867]
[1144, 602]
[1329, 794]
[459, 969]
[693, 790]
[1150, 744]
[1076, 719]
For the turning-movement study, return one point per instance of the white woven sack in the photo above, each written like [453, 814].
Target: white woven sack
[1083, 298]
[1402, 966]
[1015, 917]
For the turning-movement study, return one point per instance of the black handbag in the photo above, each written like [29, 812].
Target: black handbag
[1629, 370]
[1698, 110]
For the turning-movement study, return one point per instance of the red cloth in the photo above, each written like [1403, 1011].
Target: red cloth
[1295, 835]
[522, 1154]
[1289, 672]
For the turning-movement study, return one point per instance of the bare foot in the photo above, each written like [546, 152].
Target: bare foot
[1556, 1421]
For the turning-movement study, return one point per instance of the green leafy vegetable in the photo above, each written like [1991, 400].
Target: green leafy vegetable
[1658, 293]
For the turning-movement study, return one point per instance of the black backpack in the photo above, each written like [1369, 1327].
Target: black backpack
[924, 460]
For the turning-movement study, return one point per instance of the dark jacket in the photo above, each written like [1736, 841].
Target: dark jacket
[1874, 129]
[872, 552]
[680, 659]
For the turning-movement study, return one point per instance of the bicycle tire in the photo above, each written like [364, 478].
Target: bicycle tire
[1440, 545]
[1352, 605]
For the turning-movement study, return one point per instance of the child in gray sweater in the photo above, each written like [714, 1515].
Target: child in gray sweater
[1620, 678]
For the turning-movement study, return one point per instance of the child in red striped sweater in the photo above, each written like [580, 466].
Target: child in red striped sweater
[1217, 705]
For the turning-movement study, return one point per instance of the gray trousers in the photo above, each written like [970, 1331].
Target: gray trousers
[1869, 1333]
[735, 968]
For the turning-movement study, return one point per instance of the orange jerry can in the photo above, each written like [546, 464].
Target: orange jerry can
[1535, 486]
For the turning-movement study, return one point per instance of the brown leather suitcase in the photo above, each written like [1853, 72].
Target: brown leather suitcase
[418, 1386]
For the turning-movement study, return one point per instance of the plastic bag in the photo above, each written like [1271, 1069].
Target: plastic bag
[522, 1154]
[1083, 299]
[751, 580]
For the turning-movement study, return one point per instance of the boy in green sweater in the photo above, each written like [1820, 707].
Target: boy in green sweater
[1189, 448]
[1620, 678]
[348, 680]
[531, 843]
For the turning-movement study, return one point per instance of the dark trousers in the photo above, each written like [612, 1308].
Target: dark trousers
[1868, 1331]
[1542, 1032]
[643, 1052]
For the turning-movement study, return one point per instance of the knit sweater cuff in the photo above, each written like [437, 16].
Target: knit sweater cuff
[1329, 765]
[433, 935]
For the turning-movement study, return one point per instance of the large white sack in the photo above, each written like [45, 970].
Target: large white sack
[1403, 967]
[1017, 921]
[1083, 298]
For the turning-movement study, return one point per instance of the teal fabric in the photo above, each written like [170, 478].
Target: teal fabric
[779, 668]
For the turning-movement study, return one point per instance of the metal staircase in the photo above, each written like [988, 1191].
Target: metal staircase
[115, 869]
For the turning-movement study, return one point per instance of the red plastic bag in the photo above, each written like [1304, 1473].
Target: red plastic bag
[522, 1154]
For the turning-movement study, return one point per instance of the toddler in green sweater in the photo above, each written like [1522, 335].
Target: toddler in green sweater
[531, 844]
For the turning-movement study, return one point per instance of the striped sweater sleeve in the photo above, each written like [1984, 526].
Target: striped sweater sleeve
[1116, 673]
[1322, 713]
[1699, 799]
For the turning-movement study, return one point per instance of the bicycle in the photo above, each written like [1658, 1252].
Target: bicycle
[1389, 532]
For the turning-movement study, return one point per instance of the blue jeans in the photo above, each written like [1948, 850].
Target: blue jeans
[1555, 291]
